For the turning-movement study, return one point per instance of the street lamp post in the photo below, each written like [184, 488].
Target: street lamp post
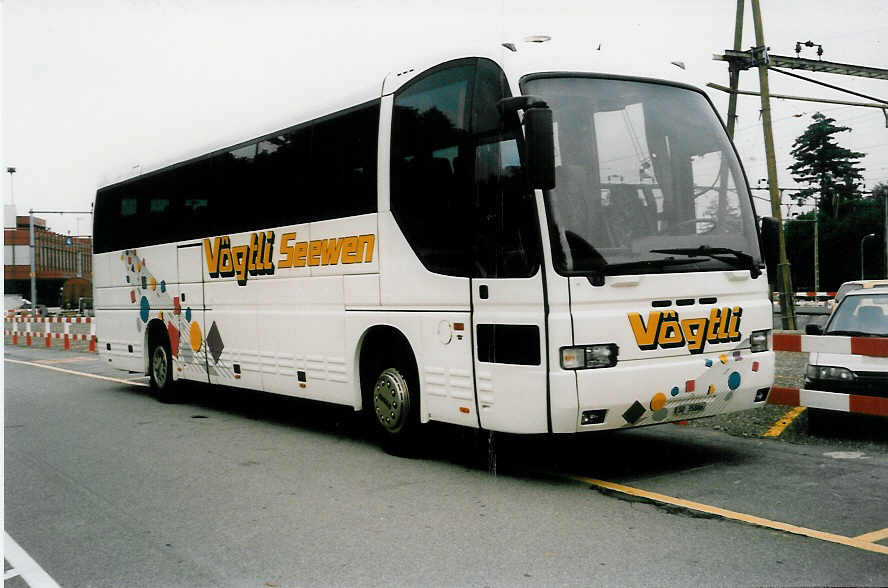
[865, 237]
[10, 171]
[816, 248]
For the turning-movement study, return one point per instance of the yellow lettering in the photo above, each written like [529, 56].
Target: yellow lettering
[712, 327]
[254, 248]
[694, 330]
[211, 253]
[723, 331]
[350, 250]
[267, 263]
[330, 251]
[314, 253]
[645, 335]
[734, 330]
[670, 331]
[226, 266]
[286, 250]
[365, 244]
[300, 251]
[239, 255]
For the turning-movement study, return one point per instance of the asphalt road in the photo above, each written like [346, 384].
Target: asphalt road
[104, 486]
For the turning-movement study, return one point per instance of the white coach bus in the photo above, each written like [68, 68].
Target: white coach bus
[483, 243]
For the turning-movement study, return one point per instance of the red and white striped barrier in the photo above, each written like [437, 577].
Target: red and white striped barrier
[811, 294]
[50, 331]
[828, 400]
[870, 346]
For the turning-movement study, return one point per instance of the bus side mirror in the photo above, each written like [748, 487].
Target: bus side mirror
[811, 329]
[770, 246]
[540, 139]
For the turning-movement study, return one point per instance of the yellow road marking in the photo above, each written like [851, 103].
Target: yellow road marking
[69, 360]
[874, 536]
[64, 371]
[857, 542]
[784, 422]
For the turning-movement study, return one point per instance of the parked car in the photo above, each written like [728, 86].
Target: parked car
[860, 313]
[856, 285]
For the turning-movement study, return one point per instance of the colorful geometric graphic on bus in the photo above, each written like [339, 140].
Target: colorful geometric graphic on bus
[174, 339]
[214, 342]
[634, 412]
[196, 337]
[144, 309]
[734, 380]
[719, 376]
[658, 401]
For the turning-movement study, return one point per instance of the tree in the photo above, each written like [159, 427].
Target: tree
[839, 245]
[831, 171]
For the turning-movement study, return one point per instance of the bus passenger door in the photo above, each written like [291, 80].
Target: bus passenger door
[508, 311]
[190, 357]
[510, 354]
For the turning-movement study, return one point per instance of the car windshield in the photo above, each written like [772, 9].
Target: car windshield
[863, 315]
[646, 180]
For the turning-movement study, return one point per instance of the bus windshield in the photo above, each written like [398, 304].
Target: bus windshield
[646, 180]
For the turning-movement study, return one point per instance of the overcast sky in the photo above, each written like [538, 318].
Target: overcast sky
[93, 88]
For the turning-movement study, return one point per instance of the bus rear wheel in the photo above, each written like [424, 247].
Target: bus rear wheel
[394, 411]
[160, 371]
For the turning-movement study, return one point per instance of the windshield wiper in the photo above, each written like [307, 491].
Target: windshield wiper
[596, 276]
[740, 259]
[854, 334]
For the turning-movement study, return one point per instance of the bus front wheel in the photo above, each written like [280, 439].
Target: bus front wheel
[160, 371]
[394, 410]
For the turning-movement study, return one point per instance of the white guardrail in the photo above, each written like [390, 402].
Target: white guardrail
[50, 331]
[870, 346]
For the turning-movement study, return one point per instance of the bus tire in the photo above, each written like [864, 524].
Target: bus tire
[160, 371]
[393, 408]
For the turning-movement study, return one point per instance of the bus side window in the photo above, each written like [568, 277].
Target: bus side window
[128, 224]
[343, 164]
[284, 176]
[506, 234]
[431, 167]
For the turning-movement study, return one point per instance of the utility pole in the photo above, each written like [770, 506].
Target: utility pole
[760, 54]
[759, 57]
[33, 265]
[10, 171]
[734, 72]
[816, 251]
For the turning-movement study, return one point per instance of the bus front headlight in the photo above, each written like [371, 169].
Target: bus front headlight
[758, 340]
[583, 357]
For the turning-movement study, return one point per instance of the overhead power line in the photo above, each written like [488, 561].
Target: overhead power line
[819, 83]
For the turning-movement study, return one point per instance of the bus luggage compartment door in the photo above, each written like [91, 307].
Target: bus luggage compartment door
[510, 353]
[191, 354]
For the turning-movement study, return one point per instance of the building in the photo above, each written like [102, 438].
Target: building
[63, 263]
